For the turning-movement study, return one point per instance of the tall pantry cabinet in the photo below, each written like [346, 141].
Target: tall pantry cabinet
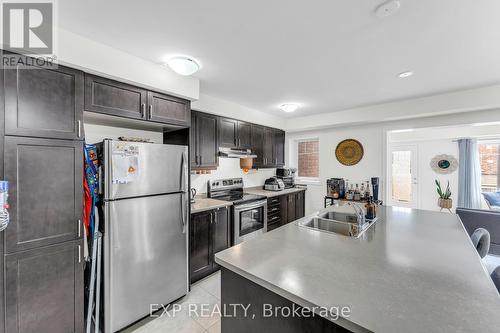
[41, 144]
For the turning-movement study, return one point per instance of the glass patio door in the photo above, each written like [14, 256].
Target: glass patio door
[403, 176]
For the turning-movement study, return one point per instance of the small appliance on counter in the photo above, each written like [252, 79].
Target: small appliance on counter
[335, 188]
[287, 175]
[274, 184]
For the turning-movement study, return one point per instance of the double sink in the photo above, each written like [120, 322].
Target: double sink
[343, 223]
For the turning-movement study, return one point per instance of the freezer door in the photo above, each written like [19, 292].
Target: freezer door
[158, 169]
[145, 257]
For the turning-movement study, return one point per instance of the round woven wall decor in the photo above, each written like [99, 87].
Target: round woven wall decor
[349, 152]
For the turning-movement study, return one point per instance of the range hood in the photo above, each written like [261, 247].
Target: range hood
[236, 153]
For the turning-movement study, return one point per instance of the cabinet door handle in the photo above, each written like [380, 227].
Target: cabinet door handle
[200, 159]
[79, 128]
[150, 112]
[143, 110]
[196, 159]
[79, 254]
[79, 228]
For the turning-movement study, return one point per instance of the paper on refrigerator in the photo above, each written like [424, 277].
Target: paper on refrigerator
[125, 161]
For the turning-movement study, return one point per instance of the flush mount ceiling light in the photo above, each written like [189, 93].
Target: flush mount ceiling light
[387, 8]
[405, 74]
[492, 123]
[406, 130]
[289, 107]
[183, 65]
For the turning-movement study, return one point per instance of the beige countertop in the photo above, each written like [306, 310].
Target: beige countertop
[411, 271]
[260, 191]
[202, 203]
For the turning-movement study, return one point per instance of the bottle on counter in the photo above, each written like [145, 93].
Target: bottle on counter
[349, 193]
[357, 194]
[367, 192]
[362, 192]
[371, 211]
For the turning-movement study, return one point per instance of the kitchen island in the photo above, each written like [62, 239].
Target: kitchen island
[411, 271]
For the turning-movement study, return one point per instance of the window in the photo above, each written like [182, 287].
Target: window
[308, 159]
[489, 159]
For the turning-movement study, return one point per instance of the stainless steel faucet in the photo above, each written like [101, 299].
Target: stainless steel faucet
[360, 213]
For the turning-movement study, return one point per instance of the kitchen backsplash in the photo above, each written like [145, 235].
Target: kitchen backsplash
[230, 168]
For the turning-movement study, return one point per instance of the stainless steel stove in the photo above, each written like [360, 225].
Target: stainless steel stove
[249, 210]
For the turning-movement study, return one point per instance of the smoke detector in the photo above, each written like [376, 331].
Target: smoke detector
[387, 8]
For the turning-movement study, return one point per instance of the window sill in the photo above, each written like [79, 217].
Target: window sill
[307, 181]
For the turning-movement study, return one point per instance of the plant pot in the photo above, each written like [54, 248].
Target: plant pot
[445, 203]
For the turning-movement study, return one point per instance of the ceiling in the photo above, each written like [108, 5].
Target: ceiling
[327, 55]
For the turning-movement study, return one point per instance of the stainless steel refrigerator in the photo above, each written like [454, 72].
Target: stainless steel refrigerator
[145, 228]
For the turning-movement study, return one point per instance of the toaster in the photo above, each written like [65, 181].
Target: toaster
[274, 184]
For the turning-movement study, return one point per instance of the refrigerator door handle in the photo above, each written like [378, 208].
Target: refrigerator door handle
[183, 190]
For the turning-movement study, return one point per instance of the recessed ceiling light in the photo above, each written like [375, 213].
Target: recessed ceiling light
[183, 65]
[405, 74]
[289, 107]
[387, 8]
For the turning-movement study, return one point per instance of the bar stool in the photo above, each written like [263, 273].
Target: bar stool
[481, 240]
[495, 276]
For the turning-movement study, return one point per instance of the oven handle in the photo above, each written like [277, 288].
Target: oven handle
[251, 205]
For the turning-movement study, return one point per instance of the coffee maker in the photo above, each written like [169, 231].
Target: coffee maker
[335, 188]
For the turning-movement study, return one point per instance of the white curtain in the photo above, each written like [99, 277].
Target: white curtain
[469, 174]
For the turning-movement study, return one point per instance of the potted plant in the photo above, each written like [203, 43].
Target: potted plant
[444, 200]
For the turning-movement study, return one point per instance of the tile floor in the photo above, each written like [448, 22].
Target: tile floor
[206, 291]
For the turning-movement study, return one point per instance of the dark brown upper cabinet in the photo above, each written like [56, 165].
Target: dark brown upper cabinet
[244, 135]
[268, 147]
[234, 133]
[257, 139]
[279, 148]
[114, 98]
[44, 289]
[41, 102]
[228, 132]
[46, 191]
[168, 109]
[204, 147]
[120, 99]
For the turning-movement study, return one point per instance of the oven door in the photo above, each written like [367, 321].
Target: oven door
[250, 220]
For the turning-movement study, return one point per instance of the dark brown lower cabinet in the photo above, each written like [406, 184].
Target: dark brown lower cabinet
[44, 289]
[284, 209]
[209, 233]
[299, 204]
[291, 207]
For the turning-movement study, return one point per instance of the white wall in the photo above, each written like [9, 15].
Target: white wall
[232, 110]
[372, 139]
[230, 168]
[96, 133]
[450, 105]
[88, 55]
